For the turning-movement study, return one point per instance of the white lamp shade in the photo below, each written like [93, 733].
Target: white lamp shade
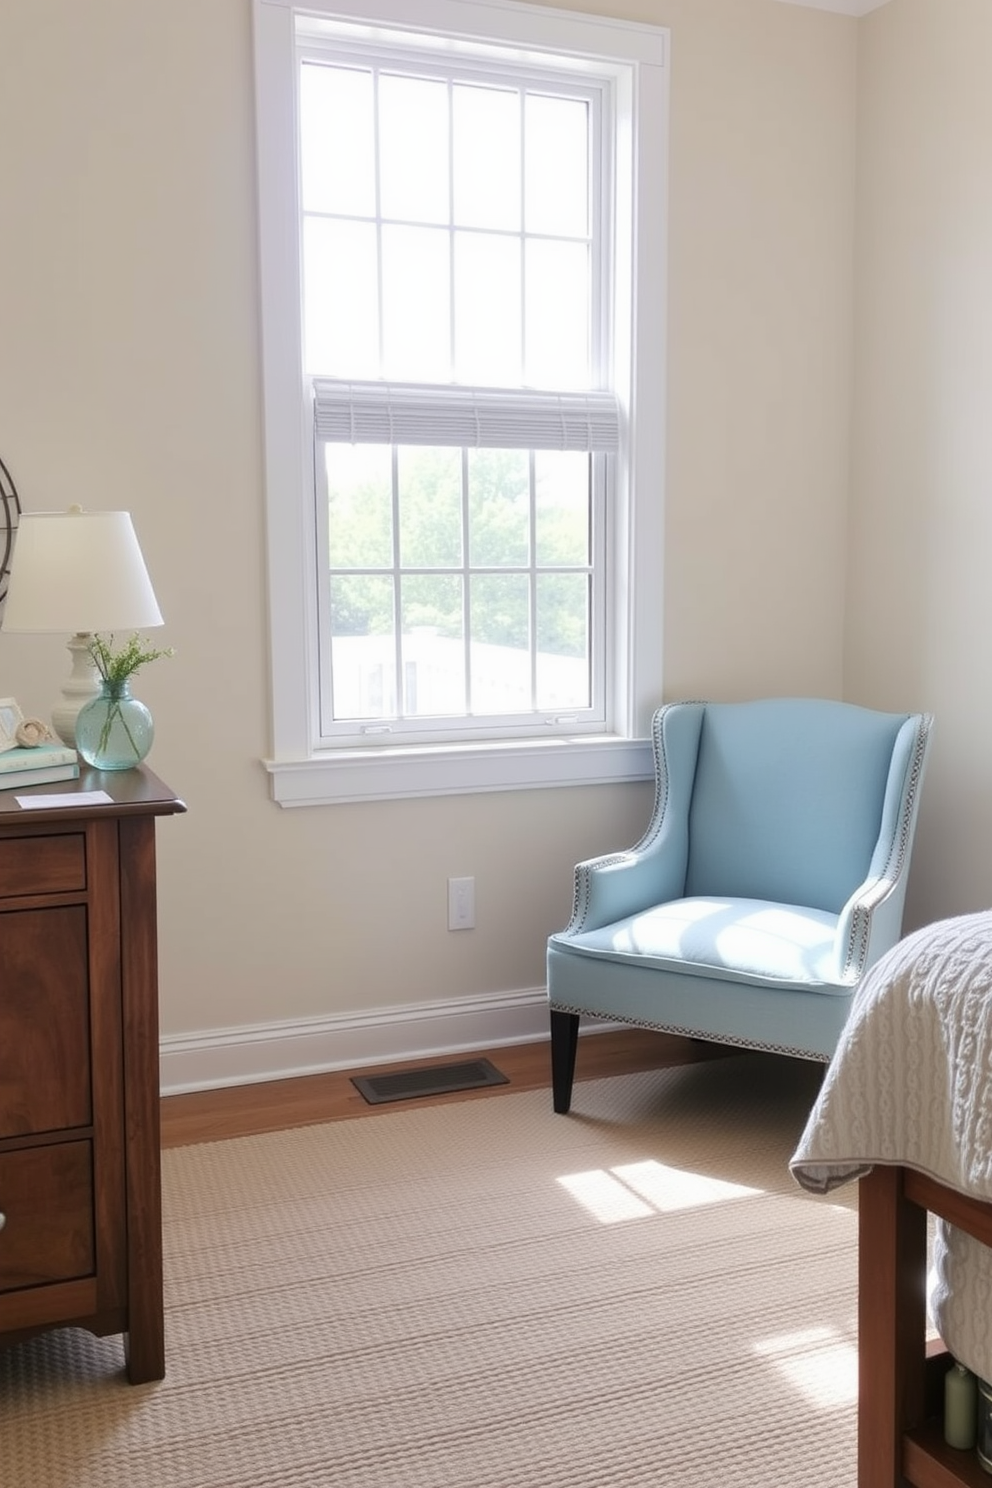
[78, 571]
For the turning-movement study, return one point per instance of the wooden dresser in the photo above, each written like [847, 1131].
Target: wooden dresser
[80, 1186]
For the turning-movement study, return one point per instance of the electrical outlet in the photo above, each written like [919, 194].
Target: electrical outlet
[461, 903]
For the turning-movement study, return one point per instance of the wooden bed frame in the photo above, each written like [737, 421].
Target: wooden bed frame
[900, 1377]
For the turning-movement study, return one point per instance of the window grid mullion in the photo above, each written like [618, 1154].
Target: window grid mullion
[522, 99]
[377, 187]
[452, 343]
[600, 174]
[466, 587]
[325, 662]
[400, 709]
[599, 557]
[532, 596]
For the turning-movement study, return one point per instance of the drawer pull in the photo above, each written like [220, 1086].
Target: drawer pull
[3, 1219]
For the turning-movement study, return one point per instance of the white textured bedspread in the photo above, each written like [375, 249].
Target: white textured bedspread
[911, 1084]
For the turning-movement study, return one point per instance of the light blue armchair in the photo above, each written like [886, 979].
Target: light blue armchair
[771, 876]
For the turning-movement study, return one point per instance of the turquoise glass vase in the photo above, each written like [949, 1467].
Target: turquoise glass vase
[114, 731]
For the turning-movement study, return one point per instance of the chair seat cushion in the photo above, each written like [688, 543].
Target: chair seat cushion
[742, 940]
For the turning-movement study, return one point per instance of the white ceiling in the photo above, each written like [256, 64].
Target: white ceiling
[842, 7]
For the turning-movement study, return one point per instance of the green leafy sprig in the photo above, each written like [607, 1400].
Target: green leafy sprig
[117, 666]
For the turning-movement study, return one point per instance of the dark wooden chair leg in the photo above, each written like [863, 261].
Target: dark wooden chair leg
[564, 1040]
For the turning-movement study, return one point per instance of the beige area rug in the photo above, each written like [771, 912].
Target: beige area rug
[482, 1295]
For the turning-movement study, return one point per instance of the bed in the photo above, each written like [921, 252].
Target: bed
[906, 1110]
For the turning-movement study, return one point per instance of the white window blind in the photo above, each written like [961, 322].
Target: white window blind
[489, 418]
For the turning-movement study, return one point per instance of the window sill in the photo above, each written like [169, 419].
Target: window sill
[451, 770]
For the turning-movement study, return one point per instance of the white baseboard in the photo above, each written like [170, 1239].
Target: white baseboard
[308, 1046]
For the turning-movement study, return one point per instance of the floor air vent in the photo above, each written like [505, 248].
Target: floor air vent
[436, 1079]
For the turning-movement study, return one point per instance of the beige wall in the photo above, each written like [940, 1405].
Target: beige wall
[919, 619]
[129, 376]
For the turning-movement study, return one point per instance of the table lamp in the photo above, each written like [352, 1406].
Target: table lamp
[80, 572]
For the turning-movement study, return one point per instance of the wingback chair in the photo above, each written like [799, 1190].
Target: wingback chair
[771, 876]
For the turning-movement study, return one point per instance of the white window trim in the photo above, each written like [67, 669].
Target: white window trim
[299, 773]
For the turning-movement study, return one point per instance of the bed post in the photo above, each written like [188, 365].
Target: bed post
[892, 1248]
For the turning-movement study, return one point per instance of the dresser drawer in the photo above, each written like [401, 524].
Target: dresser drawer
[46, 1200]
[44, 1020]
[42, 865]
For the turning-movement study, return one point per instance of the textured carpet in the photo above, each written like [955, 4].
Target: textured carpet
[481, 1295]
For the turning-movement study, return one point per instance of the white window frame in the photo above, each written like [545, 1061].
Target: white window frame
[636, 57]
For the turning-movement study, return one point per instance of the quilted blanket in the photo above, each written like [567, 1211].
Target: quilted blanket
[911, 1084]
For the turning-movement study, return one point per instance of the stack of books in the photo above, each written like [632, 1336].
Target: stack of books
[41, 765]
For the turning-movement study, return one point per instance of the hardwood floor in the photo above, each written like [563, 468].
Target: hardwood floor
[273, 1105]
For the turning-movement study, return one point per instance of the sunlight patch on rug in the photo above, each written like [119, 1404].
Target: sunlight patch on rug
[638, 1190]
[819, 1363]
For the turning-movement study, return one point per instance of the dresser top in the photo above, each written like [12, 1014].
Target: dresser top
[135, 792]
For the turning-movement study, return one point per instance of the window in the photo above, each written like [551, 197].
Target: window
[453, 238]
[460, 335]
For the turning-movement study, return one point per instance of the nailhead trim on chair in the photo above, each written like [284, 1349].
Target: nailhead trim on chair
[857, 946]
[580, 897]
[694, 1033]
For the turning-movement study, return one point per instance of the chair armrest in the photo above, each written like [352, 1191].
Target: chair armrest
[871, 921]
[615, 885]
